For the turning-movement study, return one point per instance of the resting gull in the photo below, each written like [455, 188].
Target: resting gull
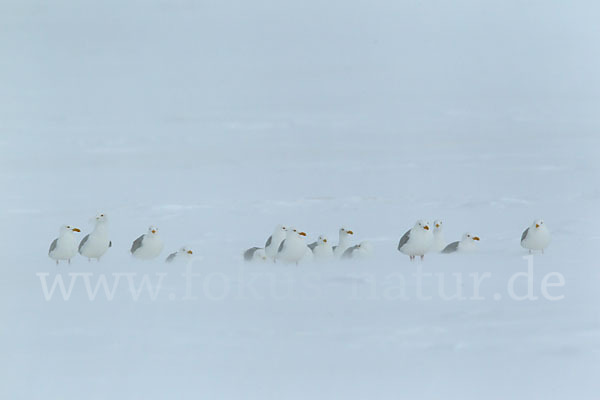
[439, 242]
[344, 242]
[147, 246]
[183, 254]
[466, 244]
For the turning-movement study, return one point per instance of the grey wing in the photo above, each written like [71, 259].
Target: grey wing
[268, 241]
[248, 254]
[524, 235]
[53, 245]
[171, 257]
[312, 245]
[404, 239]
[82, 243]
[348, 252]
[281, 246]
[137, 243]
[451, 248]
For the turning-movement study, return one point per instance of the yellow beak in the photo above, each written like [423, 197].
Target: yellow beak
[475, 237]
[426, 227]
[189, 252]
[350, 232]
[537, 225]
[324, 240]
[76, 230]
[302, 234]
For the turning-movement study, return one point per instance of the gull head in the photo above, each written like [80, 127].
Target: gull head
[422, 224]
[152, 230]
[538, 224]
[68, 228]
[345, 232]
[468, 237]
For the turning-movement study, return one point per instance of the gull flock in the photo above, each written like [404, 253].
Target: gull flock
[287, 244]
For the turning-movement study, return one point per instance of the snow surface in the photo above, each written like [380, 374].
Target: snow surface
[215, 121]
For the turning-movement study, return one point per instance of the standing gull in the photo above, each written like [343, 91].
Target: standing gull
[417, 241]
[273, 242]
[344, 242]
[466, 244]
[536, 237]
[183, 254]
[95, 244]
[65, 246]
[293, 248]
[147, 246]
[439, 242]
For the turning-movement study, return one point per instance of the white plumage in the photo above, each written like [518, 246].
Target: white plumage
[536, 237]
[439, 242]
[95, 244]
[417, 241]
[147, 246]
[65, 246]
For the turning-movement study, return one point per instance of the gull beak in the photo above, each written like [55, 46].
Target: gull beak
[76, 230]
[189, 252]
[324, 240]
[475, 237]
[537, 225]
[302, 234]
[153, 230]
[437, 225]
[426, 227]
[350, 232]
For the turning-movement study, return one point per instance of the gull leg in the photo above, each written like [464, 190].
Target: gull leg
[422, 257]
[89, 260]
[56, 262]
[69, 261]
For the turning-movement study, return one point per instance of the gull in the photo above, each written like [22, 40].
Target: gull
[536, 237]
[343, 243]
[182, 254]
[95, 244]
[416, 241]
[321, 249]
[362, 250]
[65, 246]
[147, 246]
[293, 248]
[439, 242]
[273, 242]
[255, 254]
[466, 244]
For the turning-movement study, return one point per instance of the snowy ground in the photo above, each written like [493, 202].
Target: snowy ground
[216, 122]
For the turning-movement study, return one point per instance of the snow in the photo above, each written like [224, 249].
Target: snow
[217, 121]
